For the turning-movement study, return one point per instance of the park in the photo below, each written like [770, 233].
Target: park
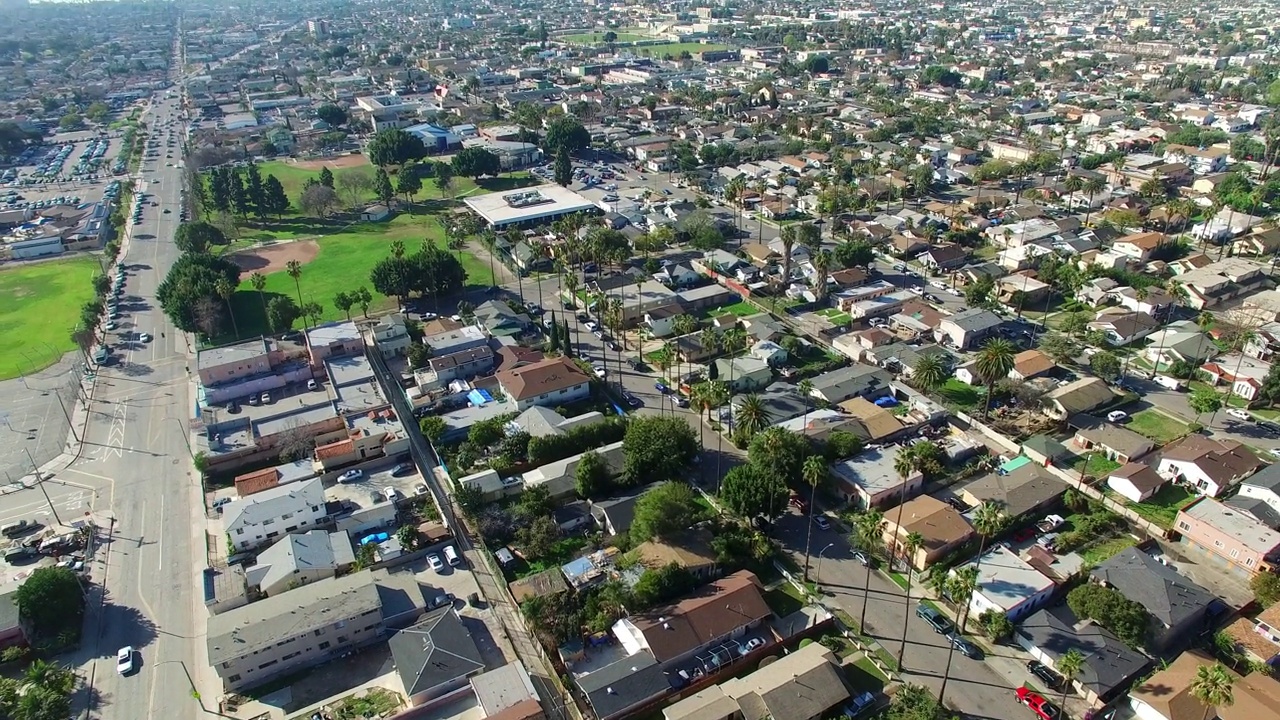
[41, 308]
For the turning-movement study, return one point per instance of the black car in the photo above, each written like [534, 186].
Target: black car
[1269, 426]
[936, 620]
[402, 469]
[1045, 674]
[632, 400]
[964, 646]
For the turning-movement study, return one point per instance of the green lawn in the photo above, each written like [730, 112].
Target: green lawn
[1094, 554]
[959, 393]
[784, 600]
[1162, 507]
[836, 316]
[741, 309]
[344, 263]
[41, 308]
[595, 38]
[293, 178]
[1099, 465]
[1228, 399]
[1157, 426]
[674, 49]
[862, 674]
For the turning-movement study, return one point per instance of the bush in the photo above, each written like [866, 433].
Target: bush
[543, 450]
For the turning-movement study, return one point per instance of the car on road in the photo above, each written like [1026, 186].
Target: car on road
[631, 400]
[124, 660]
[350, 476]
[1043, 709]
[662, 388]
[1239, 414]
[435, 562]
[751, 645]
[822, 522]
[863, 559]
[935, 618]
[591, 325]
[1269, 426]
[964, 646]
[1044, 674]
[1116, 416]
[402, 469]
[599, 370]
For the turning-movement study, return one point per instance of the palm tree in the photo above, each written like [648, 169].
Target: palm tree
[904, 464]
[1212, 687]
[913, 543]
[788, 237]
[805, 389]
[684, 324]
[1093, 186]
[822, 262]
[994, 362]
[1073, 184]
[750, 416]
[294, 268]
[989, 519]
[733, 193]
[814, 473]
[960, 586]
[930, 372]
[225, 290]
[259, 283]
[1069, 666]
[870, 525]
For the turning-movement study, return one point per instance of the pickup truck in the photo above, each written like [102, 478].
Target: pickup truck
[1050, 523]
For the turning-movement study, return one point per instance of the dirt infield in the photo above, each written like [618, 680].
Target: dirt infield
[342, 161]
[273, 258]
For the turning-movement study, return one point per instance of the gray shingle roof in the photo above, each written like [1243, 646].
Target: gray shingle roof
[1109, 663]
[1162, 590]
[630, 681]
[434, 652]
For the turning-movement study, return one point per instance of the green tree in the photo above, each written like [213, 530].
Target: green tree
[1070, 665]
[1107, 607]
[274, 196]
[664, 511]
[197, 237]
[190, 287]
[332, 114]
[393, 277]
[750, 417]
[382, 186]
[1212, 686]
[1074, 323]
[993, 363]
[854, 253]
[326, 177]
[780, 453]
[911, 544]
[996, 625]
[395, 147]
[1266, 588]
[433, 427]
[815, 474]
[344, 302]
[930, 372]
[591, 478]
[1105, 365]
[563, 169]
[1059, 347]
[474, 162]
[52, 600]
[538, 538]
[407, 184]
[656, 449]
[566, 132]
[749, 492]
[1204, 400]
[282, 313]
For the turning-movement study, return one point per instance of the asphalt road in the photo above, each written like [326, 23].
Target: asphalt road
[136, 456]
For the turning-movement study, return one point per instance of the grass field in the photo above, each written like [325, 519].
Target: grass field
[1156, 425]
[674, 49]
[597, 38]
[343, 264]
[1161, 508]
[41, 306]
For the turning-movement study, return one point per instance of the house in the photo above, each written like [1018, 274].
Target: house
[618, 689]
[391, 335]
[545, 583]
[677, 275]
[13, 630]
[541, 421]
[435, 657]
[1109, 664]
[262, 517]
[1244, 374]
[857, 380]
[1178, 608]
[375, 213]
[266, 478]
[690, 549]
[967, 328]
[869, 479]
[1139, 246]
[744, 374]
[549, 382]
[1045, 450]
[507, 689]
[1135, 481]
[871, 422]
[1116, 443]
[1258, 638]
[1026, 490]
[942, 528]
[770, 352]
[1168, 694]
[500, 320]
[723, 610]
[230, 364]
[1008, 584]
[1080, 396]
[1122, 327]
[944, 257]
[462, 365]
[1181, 341]
[560, 476]
[1030, 364]
[1259, 496]
[803, 685]
[298, 559]
[1210, 466]
[1231, 538]
[254, 643]
[615, 514]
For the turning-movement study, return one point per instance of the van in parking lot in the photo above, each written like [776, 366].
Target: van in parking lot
[451, 556]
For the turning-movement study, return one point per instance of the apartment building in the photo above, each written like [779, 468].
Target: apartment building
[550, 382]
[262, 517]
[1235, 541]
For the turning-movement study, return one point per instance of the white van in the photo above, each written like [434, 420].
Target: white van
[451, 556]
[1170, 382]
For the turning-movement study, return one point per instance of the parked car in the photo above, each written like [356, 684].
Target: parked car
[1116, 416]
[1042, 708]
[632, 400]
[1050, 523]
[1044, 674]
[266, 398]
[440, 601]
[350, 476]
[935, 618]
[751, 645]
[964, 646]
[402, 469]
[1239, 414]
[435, 562]
[761, 523]
[863, 559]
[391, 494]
[822, 522]
[662, 388]
[124, 660]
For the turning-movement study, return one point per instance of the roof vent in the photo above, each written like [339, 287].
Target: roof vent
[666, 626]
[609, 690]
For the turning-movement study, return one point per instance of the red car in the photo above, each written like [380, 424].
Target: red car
[1043, 709]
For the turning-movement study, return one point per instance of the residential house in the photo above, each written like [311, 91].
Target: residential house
[1259, 496]
[1111, 440]
[1179, 609]
[1243, 374]
[872, 423]
[1232, 539]
[744, 374]
[944, 257]
[1008, 584]
[298, 559]
[967, 328]
[230, 364]
[1109, 664]
[690, 549]
[869, 479]
[1080, 396]
[942, 528]
[391, 335]
[336, 339]
[507, 693]
[1139, 246]
[499, 320]
[1182, 341]
[1031, 364]
[1210, 466]
[1262, 242]
[857, 380]
[1135, 481]
[267, 478]
[627, 685]
[1202, 161]
[1122, 327]
[456, 339]
[435, 657]
[614, 515]
[560, 477]
[1020, 290]
[1258, 638]
[1097, 291]
[1263, 305]
[770, 352]
[540, 421]
[1168, 693]
[550, 382]
[1153, 301]
[726, 609]
[804, 685]
[1026, 490]
[260, 518]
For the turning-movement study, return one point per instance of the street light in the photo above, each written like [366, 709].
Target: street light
[818, 572]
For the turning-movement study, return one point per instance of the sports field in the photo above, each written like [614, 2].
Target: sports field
[597, 38]
[39, 307]
[674, 49]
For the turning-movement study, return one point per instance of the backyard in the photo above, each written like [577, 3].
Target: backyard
[1162, 507]
[784, 600]
[41, 309]
[1156, 425]
[1095, 465]
[835, 316]
[740, 309]
[959, 392]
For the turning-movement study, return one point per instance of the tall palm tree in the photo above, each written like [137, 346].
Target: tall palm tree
[960, 586]
[870, 526]
[823, 261]
[1093, 186]
[930, 372]
[788, 237]
[993, 363]
[733, 193]
[750, 416]
[904, 463]
[225, 290]
[259, 283]
[684, 324]
[814, 473]
[1069, 667]
[989, 519]
[805, 389]
[294, 268]
[914, 541]
[1213, 687]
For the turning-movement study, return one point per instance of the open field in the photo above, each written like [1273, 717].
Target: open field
[597, 38]
[674, 49]
[40, 307]
[341, 262]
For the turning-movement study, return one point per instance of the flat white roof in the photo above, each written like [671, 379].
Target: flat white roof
[545, 201]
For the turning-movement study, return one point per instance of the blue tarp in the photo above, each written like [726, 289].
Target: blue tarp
[479, 397]
[886, 402]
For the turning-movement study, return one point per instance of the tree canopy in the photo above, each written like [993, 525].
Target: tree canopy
[566, 132]
[197, 237]
[657, 448]
[663, 511]
[473, 162]
[395, 147]
[192, 281]
[332, 114]
[749, 491]
[430, 271]
[52, 599]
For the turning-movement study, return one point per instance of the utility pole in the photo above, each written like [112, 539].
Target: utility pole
[40, 483]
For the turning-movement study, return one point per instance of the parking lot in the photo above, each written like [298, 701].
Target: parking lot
[377, 477]
[615, 185]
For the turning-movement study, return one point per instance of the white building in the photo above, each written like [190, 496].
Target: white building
[1008, 584]
[264, 516]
